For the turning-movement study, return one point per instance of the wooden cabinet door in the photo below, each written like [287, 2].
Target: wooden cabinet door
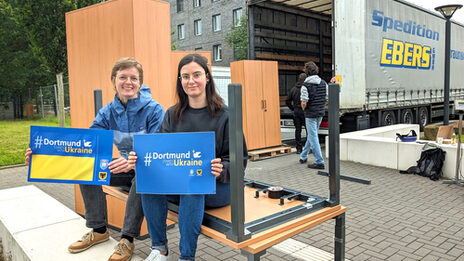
[253, 100]
[270, 94]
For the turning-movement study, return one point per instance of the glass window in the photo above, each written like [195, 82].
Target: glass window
[216, 23]
[217, 52]
[181, 31]
[197, 27]
[180, 5]
[237, 14]
[196, 3]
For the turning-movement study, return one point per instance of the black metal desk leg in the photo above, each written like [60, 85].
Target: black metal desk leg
[253, 257]
[340, 237]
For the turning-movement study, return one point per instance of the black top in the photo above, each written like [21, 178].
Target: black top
[293, 99]
[317, 97]
[199, 120]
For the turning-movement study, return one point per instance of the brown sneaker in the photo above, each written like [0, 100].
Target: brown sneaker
[89, 239]
[122, 251]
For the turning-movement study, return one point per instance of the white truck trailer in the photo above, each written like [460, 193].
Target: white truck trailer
[389, 55]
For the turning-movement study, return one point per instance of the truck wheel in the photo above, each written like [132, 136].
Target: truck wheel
[423, 117]
[407, 117]
[388, 118]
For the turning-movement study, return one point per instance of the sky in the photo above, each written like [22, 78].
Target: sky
[429, 4]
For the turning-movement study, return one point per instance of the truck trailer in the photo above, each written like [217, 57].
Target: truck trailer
[389, 56]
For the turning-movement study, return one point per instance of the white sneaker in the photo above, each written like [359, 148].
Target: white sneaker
[155, 255]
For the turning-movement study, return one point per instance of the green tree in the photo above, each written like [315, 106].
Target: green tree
[237, 38]
[173, 41]
[44, 24]
[19, 68]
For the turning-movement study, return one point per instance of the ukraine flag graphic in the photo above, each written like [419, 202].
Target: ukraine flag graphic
[67, 155]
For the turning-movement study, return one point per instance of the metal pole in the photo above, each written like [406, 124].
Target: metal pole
[447, 72]
[61, 117]
[340, 238]
[237, 172]
[458, 158]
[251, 34]
[97, 99]
[334, 144]
[458, 152]
[56, 100]
[42, 102]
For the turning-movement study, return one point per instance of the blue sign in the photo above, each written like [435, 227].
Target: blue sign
[175, 163]
[67, 155]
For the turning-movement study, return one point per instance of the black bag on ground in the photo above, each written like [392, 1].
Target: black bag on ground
[430, 163]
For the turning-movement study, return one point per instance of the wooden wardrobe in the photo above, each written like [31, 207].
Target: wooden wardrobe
[260, 98]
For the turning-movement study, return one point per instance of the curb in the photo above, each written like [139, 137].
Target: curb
[12, 166]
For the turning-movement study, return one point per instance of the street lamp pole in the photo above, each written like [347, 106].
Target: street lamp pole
[447, 71]
[447, 11]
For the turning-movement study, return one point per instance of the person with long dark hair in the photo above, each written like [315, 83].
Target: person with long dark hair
[199, 108]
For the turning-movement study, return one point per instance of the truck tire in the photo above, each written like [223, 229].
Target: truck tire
[407, 116]
[388, 118]
[423, 117]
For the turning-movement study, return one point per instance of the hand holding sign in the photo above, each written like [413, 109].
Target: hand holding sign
[175, 163]
[119, 166]
[216, 167]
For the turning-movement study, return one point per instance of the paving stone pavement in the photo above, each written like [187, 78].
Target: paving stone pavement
[397, 217]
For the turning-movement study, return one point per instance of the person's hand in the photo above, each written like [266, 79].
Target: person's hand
[27, 156]
[132, 159]
[216, 167]
[333, 80]
[119, 166]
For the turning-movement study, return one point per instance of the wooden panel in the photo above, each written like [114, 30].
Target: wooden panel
[255, 208]
[78, 201]
[96, 39]
[270, 79]
[253, 96]
[152, 47]
[291, 58]
[176, 56]
[116, 209]
[244, 73]
[278, 233]
[255, 83]
[237, 76]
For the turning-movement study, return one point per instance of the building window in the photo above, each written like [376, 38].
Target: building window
[196, 3]
[216, 23]
[181, 31]
[197, 27]
[237, 14]
[180, 5]
[217, 52]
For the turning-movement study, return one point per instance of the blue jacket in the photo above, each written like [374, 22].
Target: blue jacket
[140, 115]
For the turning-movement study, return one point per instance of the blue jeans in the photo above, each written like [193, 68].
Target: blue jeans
[95, 204]
[191, 211]
[312, 140]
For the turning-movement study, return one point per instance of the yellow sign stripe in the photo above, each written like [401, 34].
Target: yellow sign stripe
[62, 167]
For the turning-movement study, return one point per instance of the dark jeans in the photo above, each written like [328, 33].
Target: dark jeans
[191, 212]
[299, 122]
[95, 204]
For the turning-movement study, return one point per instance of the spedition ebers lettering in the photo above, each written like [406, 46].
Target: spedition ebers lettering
[405, 54]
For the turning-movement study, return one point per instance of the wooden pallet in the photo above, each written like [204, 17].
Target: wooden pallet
[269, 153]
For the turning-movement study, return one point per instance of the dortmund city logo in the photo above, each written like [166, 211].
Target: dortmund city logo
[102, 175]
